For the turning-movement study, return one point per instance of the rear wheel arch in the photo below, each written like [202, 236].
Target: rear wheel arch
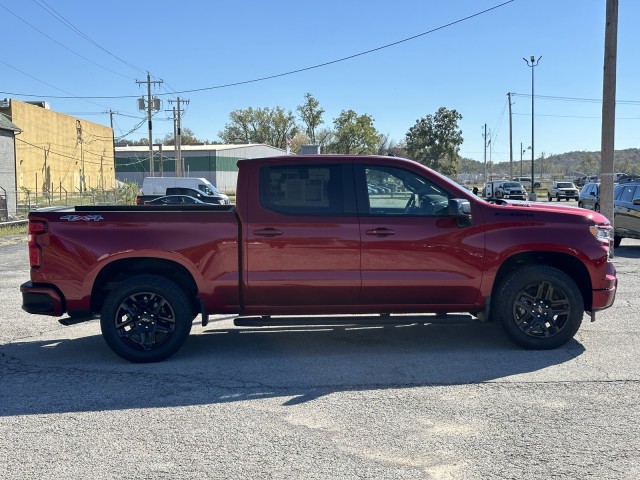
[146, 318]
[118, 271]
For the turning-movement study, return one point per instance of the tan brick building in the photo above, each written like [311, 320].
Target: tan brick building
[55, 150]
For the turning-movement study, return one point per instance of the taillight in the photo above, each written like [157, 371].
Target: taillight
[35, 251]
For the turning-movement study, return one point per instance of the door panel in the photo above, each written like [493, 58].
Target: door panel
[302, 242]
[413, 253]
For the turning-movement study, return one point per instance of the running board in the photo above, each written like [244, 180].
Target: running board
[267, 321]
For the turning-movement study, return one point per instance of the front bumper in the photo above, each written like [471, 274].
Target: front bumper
[42, 299]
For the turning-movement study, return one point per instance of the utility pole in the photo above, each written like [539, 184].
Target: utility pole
[178, 140]
[532, 65]
[177, 136]
[83, 186]
[609, 110]
[150, 107]
[484, 136]
[175, 146]
[113, 139]
[510, 140]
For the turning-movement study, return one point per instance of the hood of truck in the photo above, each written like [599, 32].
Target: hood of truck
[544, 207]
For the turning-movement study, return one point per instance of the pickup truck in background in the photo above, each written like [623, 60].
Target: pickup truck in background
[560, 190]
[308, 236]
[216, 198]
[505, 190]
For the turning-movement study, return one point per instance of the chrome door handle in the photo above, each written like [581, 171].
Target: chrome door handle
[267, 232]
[380, 232]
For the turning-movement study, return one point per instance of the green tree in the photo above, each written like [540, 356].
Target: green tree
[187, 137]
[588, 165]
[260, 125]
[311, 116]
[435, 141]
[354, 134]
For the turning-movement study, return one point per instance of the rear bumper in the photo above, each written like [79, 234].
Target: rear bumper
[42, 299]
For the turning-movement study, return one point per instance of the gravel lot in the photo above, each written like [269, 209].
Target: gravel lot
[441, 401]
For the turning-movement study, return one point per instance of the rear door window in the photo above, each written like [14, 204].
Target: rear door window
[305, 190]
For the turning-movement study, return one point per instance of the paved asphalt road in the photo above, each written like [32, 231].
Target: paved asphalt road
[441, 401]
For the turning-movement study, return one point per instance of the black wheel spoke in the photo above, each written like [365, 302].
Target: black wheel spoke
[541, 309]
[145, 320]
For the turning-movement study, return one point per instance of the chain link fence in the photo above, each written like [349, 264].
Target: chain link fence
[28, 200]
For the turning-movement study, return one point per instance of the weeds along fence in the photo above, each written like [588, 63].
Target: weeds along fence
[28, 200]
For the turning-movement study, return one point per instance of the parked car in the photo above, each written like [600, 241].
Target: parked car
[526, 182]
[626, 211]
[560, 190]
[175, 200]
[582, 181]
[215, 199]
[504, 189]
[589, 197]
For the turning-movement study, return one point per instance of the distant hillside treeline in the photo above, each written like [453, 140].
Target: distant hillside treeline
[558, 166]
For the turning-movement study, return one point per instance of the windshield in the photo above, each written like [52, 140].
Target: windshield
[565, 185]
[208, 189]
[511, 185]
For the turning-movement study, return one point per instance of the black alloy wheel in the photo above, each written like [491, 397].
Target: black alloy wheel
[539, 307]
[146, 319]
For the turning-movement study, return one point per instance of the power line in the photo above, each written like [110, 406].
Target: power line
[577, 99]
[66, 48]
[51, 11]
[597, 117]
[291, 72]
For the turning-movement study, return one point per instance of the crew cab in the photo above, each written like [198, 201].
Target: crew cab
[560, 190]
[308, 238]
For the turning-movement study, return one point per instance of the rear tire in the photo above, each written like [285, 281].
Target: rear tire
[617, 241]
[549, 198]
[147, 318]
[539, 307]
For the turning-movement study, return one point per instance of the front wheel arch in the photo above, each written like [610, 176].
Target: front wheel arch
[538, 306]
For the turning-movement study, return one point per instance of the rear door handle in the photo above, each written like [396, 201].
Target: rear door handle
[267, 232]
[380, 232]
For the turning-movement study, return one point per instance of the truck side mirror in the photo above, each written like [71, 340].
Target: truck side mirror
[461, 209]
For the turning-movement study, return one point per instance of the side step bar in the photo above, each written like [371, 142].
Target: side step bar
[384, 319]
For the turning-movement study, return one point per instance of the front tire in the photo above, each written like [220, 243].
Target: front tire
[538, 307]
[147, 318]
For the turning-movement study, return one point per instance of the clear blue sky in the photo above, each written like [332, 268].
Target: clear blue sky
[468, 66]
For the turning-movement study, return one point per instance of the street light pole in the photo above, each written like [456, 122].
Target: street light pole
[521, 153]
[532, 62]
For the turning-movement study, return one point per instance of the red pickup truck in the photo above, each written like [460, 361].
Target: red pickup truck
[320, 235]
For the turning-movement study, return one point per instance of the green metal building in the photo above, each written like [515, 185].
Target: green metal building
[216, 163]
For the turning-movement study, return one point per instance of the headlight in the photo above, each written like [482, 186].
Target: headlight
[600, 232]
